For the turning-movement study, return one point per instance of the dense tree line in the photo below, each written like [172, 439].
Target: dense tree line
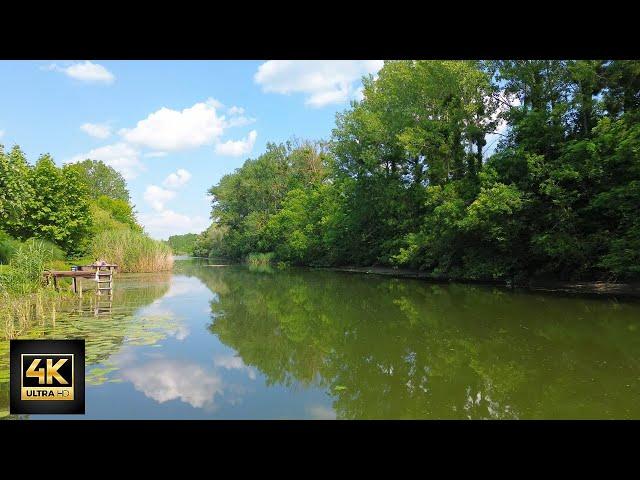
[66, 205]
[408, 178]
[183, 244]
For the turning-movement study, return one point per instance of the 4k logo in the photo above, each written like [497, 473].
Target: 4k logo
[47, 376]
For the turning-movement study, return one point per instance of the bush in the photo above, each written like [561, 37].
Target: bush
[132, 251]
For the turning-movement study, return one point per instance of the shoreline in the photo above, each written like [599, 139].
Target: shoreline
[595, 288]
[599, 289]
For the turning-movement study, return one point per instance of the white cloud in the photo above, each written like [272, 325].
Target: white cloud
[171, 130]
[237, 117]
[165, 380]
[96, 130]
[235, 110]
[155, 154]
[239, 121]
[1, 133]
[323, 81]
[85, 72]
[157, 197]
[120, 156]
[177, 179]
[239, 147]
[164, 223]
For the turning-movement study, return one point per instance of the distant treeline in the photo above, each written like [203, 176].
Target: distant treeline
[408, 177]
[182, 244]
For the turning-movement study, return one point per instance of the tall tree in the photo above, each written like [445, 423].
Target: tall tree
[59, 209]
[15, 190]
[101, 179]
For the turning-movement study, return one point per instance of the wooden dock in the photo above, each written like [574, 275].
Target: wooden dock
[102, 273]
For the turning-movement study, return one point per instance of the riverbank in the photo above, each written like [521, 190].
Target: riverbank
[631, 290]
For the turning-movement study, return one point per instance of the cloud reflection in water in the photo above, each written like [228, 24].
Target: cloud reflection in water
[164, 380]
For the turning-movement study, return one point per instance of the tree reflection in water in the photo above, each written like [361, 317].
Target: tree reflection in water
[393, 348]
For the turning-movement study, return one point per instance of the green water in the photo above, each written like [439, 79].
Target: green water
[231, 342]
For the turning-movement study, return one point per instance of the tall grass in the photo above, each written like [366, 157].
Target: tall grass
[260, 259]
[132, 251]
[23, 299]
[26, 265]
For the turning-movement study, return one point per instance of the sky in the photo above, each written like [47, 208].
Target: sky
[172, 128]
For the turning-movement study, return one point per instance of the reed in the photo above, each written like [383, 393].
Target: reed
[260, 259]
[132, 251]
[19, 312]
[24, 300]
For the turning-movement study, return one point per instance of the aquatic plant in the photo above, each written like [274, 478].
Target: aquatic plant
[255, 259]
[132, 251]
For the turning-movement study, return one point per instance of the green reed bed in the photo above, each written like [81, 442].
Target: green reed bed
[132, 251]
[260, 259]
[24, 299]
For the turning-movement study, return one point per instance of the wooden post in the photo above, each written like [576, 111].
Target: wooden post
[75, 284]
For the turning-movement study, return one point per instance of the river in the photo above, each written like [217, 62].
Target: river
[231, 342]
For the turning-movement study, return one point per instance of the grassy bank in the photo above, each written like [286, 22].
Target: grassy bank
[132, 251]
[24, 299]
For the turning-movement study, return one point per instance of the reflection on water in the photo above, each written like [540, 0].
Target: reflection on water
[230, 342]
[164, 380]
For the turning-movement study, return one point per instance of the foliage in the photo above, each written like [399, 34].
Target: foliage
[53, 203]
[244, 201]
[183, 244]
[257, 259]
[14, 186]
[120, 210]
[26, 266]
[64, 205]
[409, 179]
[8, 247]
[102, 180]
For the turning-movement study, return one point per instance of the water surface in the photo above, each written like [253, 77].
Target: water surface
[234, 343]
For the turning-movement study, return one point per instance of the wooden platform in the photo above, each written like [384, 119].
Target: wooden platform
[105, 276]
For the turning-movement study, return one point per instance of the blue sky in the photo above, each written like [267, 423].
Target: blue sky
[173, 128]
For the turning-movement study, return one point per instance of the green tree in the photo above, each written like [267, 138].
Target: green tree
[120, 210]
[59, 210]
[183, 244]
[15, 190]
[244, 201]
[102, 180]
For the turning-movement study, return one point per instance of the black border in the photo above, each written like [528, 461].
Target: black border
[323, 31]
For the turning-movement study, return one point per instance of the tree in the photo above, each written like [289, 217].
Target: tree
[102, 180]
[407, 180]
[120, 210]
[244, 201]
[59, 210]
[183, 244]
[15, 190]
